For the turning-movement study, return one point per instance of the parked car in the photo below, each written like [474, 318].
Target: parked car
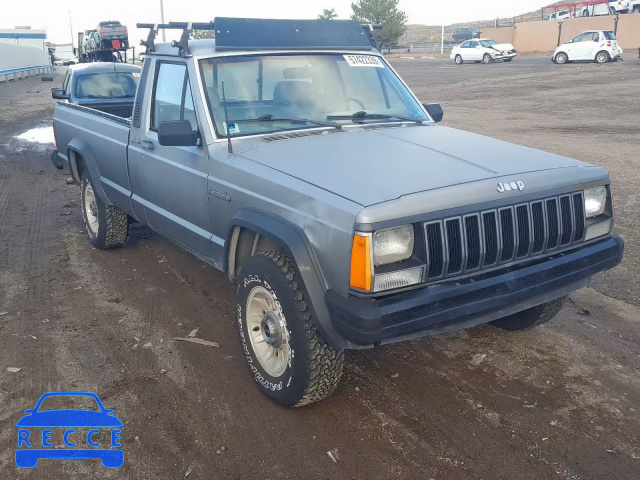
[463, 34]
[619, 6]
[561, 15]
[483, 50]
[634, 6]
[595, 45]
[107, 87]
[322, 187]
[612, 8]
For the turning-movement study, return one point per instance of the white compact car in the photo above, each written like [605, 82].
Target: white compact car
[482, 50]
[595, 45]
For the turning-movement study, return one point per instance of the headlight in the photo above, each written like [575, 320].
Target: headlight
[594, 201]
[392, 245]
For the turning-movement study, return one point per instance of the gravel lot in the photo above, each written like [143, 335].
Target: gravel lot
[561, 401]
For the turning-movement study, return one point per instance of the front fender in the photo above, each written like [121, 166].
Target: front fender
[296, 244]
[79, 148]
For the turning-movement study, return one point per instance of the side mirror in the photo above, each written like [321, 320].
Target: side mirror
[59, 94]
[177, 133]
[435, 111]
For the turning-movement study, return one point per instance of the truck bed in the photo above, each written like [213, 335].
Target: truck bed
[101, 136]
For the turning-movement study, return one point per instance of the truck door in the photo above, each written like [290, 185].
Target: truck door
[171, 182]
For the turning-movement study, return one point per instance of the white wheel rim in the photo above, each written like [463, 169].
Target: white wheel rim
[268, 332]
[91, 209]
[602, 58]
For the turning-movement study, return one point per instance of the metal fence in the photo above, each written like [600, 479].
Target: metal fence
[24, 72]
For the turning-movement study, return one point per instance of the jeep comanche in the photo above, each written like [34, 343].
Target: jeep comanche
[291, 156]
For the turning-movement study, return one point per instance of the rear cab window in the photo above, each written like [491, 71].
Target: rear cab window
[609, 35]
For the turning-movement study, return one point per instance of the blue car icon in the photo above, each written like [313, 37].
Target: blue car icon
[28, 453]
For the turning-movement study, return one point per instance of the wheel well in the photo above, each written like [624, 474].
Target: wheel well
[245, 243]
[77, 166]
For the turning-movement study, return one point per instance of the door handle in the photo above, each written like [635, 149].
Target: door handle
[147, 144]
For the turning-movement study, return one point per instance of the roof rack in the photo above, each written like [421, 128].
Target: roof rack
[261, 34]
[183, 44]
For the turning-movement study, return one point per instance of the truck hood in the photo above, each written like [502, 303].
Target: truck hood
[373, 165]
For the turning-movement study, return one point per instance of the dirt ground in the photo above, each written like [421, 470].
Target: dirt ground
[560, 401]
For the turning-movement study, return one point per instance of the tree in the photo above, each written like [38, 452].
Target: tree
[328, 14]
[381, 12]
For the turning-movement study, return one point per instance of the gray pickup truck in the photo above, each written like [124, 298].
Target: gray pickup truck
[291, 156]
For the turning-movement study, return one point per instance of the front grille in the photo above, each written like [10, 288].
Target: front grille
[482, 240]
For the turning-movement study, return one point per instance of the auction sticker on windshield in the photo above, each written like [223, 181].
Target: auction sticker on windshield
[363, 61]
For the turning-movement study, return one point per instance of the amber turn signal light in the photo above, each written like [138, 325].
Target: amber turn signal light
[361, 262]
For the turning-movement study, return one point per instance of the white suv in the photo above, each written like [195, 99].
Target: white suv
[634, 6]
[598, 45]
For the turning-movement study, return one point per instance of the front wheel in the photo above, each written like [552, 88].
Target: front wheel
[562, 58]
[287, 357]
[459, 60]
[602, 57]
[107, 225]
[486, 59]
[531, 317]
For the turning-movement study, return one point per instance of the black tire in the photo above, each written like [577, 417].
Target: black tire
[531, 317]
[612, 11]
[585, 13]
[603, 57]
[458, 60]
[561, 58]
[507, 60]
[314, 369]
[486, 59]
[112, 223]
[636, 9]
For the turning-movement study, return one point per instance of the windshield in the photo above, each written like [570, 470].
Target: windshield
[271, 93]
[609, 35]
[488, 43]
[107, 85]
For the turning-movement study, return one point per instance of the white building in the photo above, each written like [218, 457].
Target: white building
[25, 37]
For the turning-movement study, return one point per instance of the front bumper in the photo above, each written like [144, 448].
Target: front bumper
[465, 303]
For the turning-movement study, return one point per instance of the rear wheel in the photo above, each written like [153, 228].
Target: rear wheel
[531, 317]
[603, 57]
[486, 59]
[287, 357]
[636, 9]
[107, 225]
[612, 10]
[459, 60]
[562, 58]
[508, 59]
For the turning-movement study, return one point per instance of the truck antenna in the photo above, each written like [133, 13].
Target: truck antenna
[226, 119]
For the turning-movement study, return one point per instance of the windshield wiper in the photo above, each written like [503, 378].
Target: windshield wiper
[123, 96]
[269, 118]
[96, 96]
[362, 115]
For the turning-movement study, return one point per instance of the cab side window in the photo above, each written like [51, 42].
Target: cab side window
[172, 99]
[466, 45]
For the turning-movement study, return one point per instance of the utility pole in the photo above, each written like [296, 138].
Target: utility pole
[162, 19]
[442, 42]
[71, 30]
